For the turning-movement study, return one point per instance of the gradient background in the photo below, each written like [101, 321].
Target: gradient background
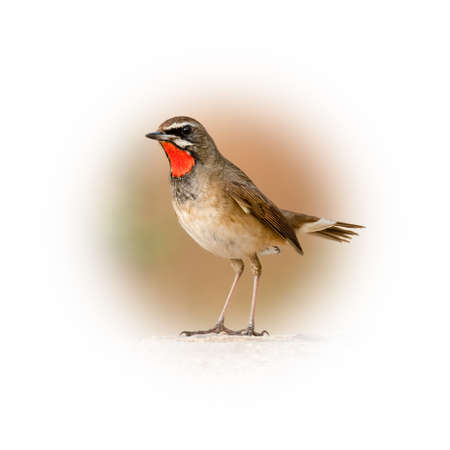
[176, 284]
[348, 103]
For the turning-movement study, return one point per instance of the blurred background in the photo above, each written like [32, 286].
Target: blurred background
[173, 283]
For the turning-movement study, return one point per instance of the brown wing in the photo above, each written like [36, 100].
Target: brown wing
[254, 202]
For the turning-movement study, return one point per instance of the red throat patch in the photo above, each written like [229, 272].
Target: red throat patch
[181, 162]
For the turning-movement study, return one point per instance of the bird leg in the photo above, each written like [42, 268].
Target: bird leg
[238, 267]
[256, 269]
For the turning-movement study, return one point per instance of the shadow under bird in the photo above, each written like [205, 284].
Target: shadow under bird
[224, 212]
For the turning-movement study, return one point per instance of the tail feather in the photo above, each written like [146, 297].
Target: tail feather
[349, 225]
[331, 237]
[337, 234]
[328, 229]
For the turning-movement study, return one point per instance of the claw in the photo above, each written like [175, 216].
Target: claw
[250, 331]
[185, 333]
[219, 328]
[191, 333]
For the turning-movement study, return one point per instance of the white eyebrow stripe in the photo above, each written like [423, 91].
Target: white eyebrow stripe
[178, 125]
[181, 142]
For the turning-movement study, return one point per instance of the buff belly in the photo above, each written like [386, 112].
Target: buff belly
[225, 231]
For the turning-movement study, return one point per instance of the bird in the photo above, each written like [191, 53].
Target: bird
[221, 209]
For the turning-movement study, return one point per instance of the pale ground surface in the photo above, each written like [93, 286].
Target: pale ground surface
[236, 355]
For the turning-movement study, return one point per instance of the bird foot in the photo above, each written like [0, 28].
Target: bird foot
[219, 328]
[250, 331]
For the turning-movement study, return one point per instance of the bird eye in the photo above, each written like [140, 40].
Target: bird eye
[187, 129]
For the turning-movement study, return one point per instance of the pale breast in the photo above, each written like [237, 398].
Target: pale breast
[220, 226]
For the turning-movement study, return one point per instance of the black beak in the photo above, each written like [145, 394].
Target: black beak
[159, 136]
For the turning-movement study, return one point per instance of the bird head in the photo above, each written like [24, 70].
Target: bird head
[186, 143]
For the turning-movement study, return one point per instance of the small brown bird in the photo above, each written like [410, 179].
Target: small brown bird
[224, 212]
